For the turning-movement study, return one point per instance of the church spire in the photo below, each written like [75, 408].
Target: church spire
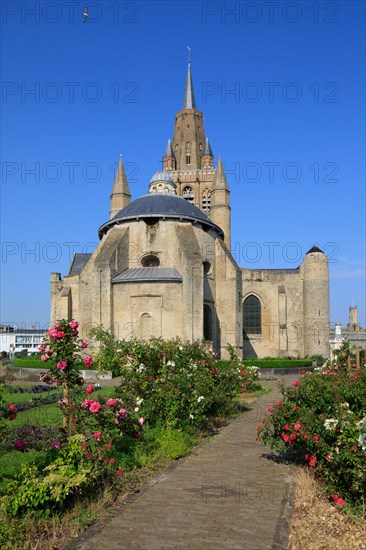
[121, 194]
[220, 181]
[207, 157]
[169, 158]
[169, 150]
[189, 100]
[220, 202]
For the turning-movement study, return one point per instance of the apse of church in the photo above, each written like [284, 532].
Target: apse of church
[182, 280]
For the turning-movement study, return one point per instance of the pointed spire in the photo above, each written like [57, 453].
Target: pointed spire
[207, 152]
[121, 194]
[189, 101]
[120, 180]
[220, 181]
[169, 153]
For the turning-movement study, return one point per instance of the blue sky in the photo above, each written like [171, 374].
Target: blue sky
[281, 86]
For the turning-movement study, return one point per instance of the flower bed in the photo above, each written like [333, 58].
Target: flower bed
[169, 391]
[178, 384]
[321, 421]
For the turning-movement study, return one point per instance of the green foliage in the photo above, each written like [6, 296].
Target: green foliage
[322, 419]
[43, 491]
[160, 444]
[29, 363]
[275, 363]
[113, 355]
[171, 382]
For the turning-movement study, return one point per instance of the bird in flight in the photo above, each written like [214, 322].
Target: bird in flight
[85, 14]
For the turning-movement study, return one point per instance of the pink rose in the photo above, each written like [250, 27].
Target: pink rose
[84, 344]
[88, 361]
[57, 326]
[296, 383]
[44, 358]
[53, 333]
[140, 421]
[73, 325]
[95, 407]
[297, 427]
[285, 437]
[270, 408]
[111, 461]
[111, 402]
[60, 334]
[89, 389]
[97, 435]
[86, 403]
[62, 365]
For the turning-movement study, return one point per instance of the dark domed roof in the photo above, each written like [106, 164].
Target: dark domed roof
[162, 206]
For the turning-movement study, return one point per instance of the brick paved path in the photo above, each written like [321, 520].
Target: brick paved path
[226, 495]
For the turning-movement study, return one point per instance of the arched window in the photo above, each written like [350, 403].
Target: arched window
[187, 194]
[252, 317]
[150, 261]
[206, 267]
[188, 152]
[206, 200]
[207, 323]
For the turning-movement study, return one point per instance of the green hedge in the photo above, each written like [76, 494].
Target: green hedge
[276, 363]
[29, 363]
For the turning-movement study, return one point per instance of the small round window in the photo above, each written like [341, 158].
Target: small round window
[206, 267]
[150, 261]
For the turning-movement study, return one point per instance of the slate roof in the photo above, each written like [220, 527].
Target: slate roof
[78, 263]
[148, 274]
[169, 150]
[189, 100]
[207, 150]
[161, 175]
[314, 249]
[162, 206]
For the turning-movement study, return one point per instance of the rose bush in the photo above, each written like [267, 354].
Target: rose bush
[97, 432]
[177, 384]
[62, 353]
[322, 421]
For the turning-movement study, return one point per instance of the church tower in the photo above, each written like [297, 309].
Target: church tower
[220, 202]
[190, 161]
[121, 194]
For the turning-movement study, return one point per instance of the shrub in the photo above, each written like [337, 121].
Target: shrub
[322, 420]
[171, 382]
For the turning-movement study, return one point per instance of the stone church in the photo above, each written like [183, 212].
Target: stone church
[163, 266]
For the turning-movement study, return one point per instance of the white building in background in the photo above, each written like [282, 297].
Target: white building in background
[14, 339]
[336, 340]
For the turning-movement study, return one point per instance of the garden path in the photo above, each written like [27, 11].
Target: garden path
[228, 494]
